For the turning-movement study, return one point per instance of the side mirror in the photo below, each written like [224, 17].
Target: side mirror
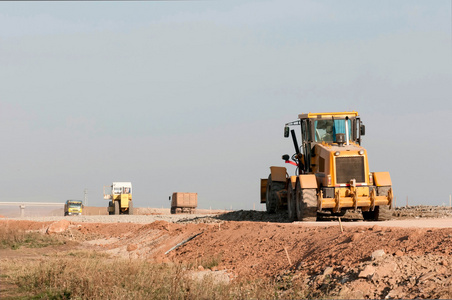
[362, 130]
[169, 198]
[286, 131]
[285, 157]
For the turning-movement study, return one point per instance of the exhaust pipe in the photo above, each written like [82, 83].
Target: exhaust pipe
[346, 131]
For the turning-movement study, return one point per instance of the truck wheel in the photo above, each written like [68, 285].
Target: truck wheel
[291, 203]
[130, 208]
[110, 206]
[306, 204]
[272, 201]
[116, 207]
[173, 210]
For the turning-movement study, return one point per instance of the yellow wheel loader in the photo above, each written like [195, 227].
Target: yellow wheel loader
[120, 197]
[332, 172]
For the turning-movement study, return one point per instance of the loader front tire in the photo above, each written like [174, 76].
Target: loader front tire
[381, 212]
[384, 212]
[291, 203]
[271, 197]
[306, 203]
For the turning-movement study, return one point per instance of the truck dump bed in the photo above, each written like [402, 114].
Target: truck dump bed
[184, 200]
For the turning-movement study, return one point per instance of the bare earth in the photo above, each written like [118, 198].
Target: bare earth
[408, 257]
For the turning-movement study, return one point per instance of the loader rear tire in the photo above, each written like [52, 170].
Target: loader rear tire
[291, 203]
[272, 201]
[306, 203]
[116, 207]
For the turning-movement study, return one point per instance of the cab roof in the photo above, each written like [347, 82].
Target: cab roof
[328, 115]
[126, 184]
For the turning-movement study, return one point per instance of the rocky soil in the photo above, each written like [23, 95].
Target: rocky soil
[407, 258]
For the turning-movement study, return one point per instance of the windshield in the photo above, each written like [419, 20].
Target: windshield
[326, 130]
[75, 205]
[122, 190]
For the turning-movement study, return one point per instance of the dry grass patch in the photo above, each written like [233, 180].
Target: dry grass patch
[14, 238]
[90, 276]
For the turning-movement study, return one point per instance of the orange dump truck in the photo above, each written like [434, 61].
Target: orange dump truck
[183, 202]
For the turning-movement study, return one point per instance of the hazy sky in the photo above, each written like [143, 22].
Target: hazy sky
[192, 96]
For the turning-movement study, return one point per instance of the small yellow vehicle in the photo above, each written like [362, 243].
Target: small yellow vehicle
[73, 207]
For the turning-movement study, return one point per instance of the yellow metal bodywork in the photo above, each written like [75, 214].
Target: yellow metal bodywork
[328, 115]
[349, 198]
[278, 174]
[348, 195]
[382, 179]
[123, 200]
[329, 167]
[73, 210]
[307, 181]
[293, 181]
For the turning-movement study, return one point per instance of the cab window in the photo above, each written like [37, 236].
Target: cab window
[326, 130]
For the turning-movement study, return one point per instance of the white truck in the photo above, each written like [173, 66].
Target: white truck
[120, 196]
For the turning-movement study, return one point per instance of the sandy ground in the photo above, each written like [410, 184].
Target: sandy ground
[409, 257]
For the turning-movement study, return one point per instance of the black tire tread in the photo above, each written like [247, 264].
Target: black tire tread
[271, 201]
[291, 204]
[381, 212]
[307, 205]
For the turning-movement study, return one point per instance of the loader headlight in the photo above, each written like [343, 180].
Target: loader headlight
[337, 153]
[361, 152]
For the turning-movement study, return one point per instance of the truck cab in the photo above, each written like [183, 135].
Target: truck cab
[73, 207]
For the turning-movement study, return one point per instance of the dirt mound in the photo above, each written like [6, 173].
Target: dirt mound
[57, 227]
[393, 276]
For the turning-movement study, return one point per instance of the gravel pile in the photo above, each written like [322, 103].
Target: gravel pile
[422, 211]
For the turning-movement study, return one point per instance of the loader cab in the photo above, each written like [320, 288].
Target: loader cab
[326, 128]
